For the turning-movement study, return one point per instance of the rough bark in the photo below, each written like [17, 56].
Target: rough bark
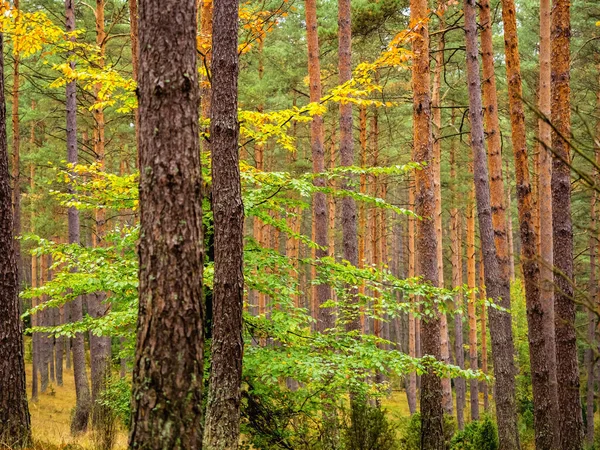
[432, 413]
[567, 371]
[544, 420]
[483, 386]
[223, 410]
[167, 404]
[498, 287]
[322, 292]
[15, 424]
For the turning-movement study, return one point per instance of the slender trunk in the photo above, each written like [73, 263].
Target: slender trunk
[16, 157]
[567, 371]
[457, 280]
[166, 410]
[437, 183]
[80, 418]
[483, 322]
[348, 210]
[45, 349]
[544, 199]
[322, 292]
[591, 337]
[544, 418]
[222, 425]
[35, 347]
[411, 389]
[471, 305]
[15, 424]
[509, 228]
[432, 413]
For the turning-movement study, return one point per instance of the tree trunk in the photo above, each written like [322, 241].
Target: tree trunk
[471, 305]
[81, 415]
[15, 424]
[437, 182]
[432, 413]
[483, 387]
[567, 372]
[411, 389]
[324, 316]
[544, 200]
[544, 418]
[222, 426]
[166, 411]
[457, 280]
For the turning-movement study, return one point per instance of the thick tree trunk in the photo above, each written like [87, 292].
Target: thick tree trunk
[432, 413]
[497, 285]
[81, 416]
[15, 424]
[567, 371]
[167, 404]
[223, 410]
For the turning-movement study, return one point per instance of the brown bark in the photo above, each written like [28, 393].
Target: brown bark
[567, 372]
[544, 201]
[483, 321]
[81, 415]
[471, 305]
[432, 413]
[411, 389]
[223, 411]
[544, 419]
[437, 182]
[167, 411]
[348, 210]
[15, 424]
[325, 318]
[457, 281]
[509, 228]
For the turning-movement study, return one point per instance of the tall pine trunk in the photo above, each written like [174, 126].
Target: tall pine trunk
[567, 371]
[497, 287]
[79, 421]
[471, 305]
[167, 405]
[222, 425]
[320, 221]
[544, 419]
[15, 424]
[432, 413]
[411, 388]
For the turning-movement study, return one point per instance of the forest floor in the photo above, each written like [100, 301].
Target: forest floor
[51, 418]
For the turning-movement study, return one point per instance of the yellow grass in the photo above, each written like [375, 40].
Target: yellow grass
[51, 417]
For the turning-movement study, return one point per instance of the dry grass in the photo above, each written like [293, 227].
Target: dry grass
[51, 418]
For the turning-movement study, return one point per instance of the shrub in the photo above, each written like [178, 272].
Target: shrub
[478, 435]
[410, 438]
[369, 429]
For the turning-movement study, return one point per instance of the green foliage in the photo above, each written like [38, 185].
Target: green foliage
[477, 435]
[117, 398]
[369, 429]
